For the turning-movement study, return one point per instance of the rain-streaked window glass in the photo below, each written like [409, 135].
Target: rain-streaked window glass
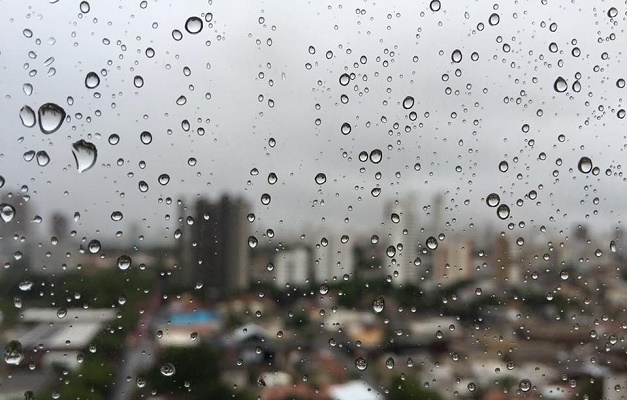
[318, 201]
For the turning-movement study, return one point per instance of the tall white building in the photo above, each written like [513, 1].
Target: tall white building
[292, 267]
[401, 248]
[333, 257]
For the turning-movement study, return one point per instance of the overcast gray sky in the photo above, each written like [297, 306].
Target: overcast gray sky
[408, 49]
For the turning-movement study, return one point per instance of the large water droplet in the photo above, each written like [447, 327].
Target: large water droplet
[13, 353]
[145, 137]
[378, 304]
[84, 7]
[456, 56]
[193, 25]
[167, 369]
[432, 243]
[361, 363]
[7, 212]
[612, 12]
[252, 242]
[320, 178]
[493, 200]
[346, 128]
[266, 199]
[503, 211]
[345, 79]
[92, 80]
[138, 81]
[503, 166]
[51, 117]
[585, 165]
[525, 385]
[124, 262]
[494, 19]
[435, 5]
[560, 85]
[61, 312]
[408, 102]
[42, 158]
[85, 155]
[164, 179]
[389, 363]
[27, 115]
[375, 156]
[94, 246]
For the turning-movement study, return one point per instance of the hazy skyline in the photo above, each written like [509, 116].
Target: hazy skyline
[408, 51]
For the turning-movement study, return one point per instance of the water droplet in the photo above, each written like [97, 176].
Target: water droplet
[42, 158]
[124, 262]
[493, 200]
[456, 56]
[51, 117]
[612, 12]
[408, 102]
[346, 128]
[25, 285]
[27, 88]
[613, 246]
[138, 81]
[143, 186]
[585, 165]
[29, 155]
[345, 79]
[503, 166]
[361, 363]
[252, 242]
[84, 7]
[435, 5]
[265, 199]
[525, 385]
[181, 100]
[141, 382]
[324, 288]
[61, 312]
[320, 178]
[193, 25]
[375, 156]
[117, 216]
[92, 80]
[13, 353]
[27, 115]
[564, 275]
[167, 369]
[378, 304]
[94, 246]
[503, 211]
[145, 137]
[164, 179]
[432, 243]
[85, 155]
[560, 85]
[494, 19]
[7, 212]
[389, 363]
[114, 139]
[272, 178]
[177, 35]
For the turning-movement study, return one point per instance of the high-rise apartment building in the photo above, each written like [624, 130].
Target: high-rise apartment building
[213, 247]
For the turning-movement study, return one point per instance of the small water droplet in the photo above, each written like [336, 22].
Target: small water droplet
[61, 312]
[435, 5]
[117, 216]
[13, 353]
[177, 35]
[7, 212]
[27, 115]
[324, 288]
[503, 166]
[51, 117]
[84, 7]
[193, 25]
[124, 262]
[613, 246]
[92, 80]
[138, 81]
[252, 242]
[585, 165]
[378, 304]
[181, 100]
[85, 155]
[42, 158]
[27, 88]
[320, 178]
[346, 128]
[266, 199]
[389, 363]
[612, 12]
